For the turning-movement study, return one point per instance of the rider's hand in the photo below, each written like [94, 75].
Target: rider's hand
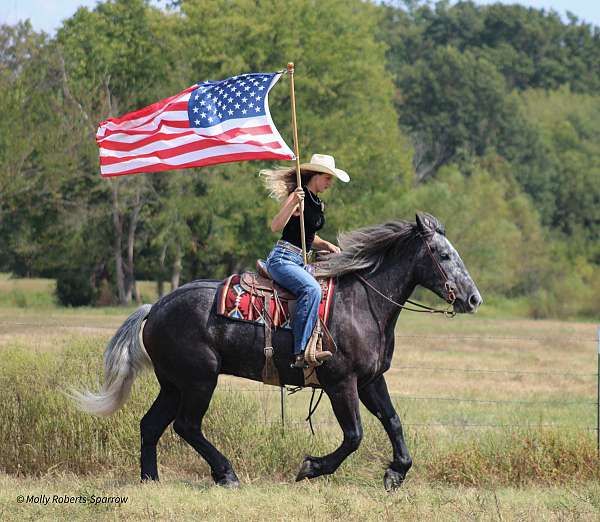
[333, 248]
[298, 195]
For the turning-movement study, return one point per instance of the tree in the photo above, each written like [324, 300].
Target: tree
[111, 59]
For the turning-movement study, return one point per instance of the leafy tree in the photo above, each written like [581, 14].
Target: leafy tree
[570, 178]
[112, 57]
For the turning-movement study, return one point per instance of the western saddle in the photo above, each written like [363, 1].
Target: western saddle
[261, 283]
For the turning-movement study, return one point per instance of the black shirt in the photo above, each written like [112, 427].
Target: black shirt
[314, 219]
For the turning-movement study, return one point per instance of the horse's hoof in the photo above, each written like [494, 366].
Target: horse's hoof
[392, 480]
[306, 470]
[229, 480]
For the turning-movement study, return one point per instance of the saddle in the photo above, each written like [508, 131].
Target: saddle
[255, 297]
[261, 283]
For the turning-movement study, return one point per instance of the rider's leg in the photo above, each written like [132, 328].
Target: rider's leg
[286, 268]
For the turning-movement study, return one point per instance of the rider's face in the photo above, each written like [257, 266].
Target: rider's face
[322, 182]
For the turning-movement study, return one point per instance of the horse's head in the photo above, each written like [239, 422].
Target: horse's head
[441, 269]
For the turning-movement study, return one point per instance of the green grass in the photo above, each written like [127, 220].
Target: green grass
[40, 293]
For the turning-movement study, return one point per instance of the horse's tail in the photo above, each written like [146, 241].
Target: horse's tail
[124, 358]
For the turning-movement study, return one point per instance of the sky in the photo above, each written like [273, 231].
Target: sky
[47, 15]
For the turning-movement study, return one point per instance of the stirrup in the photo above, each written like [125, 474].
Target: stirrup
[323, 356]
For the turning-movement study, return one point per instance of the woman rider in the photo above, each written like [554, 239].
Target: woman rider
[285, 262]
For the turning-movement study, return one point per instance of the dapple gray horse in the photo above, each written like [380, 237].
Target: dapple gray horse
[188, 345]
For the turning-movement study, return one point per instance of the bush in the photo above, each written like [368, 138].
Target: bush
[74, 288]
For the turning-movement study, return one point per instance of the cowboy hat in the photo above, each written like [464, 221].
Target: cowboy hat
[325, 164]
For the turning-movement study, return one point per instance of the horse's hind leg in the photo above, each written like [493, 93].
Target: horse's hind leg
[153, 425]
[188, 424]
[376, 398]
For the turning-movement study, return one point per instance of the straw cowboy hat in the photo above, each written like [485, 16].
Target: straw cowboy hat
[325, 164]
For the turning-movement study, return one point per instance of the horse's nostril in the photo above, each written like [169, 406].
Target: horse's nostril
[474, 300]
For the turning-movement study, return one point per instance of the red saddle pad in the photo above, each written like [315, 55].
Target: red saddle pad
[237, 303]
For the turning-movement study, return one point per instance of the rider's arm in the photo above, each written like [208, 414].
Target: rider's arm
[287, 209]
[322, 244]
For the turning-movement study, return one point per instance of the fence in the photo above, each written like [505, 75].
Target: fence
[563, 374]
[506, 341]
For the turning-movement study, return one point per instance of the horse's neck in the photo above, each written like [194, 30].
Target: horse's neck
[396, 281]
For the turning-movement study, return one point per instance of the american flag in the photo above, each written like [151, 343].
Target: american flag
[209, 123]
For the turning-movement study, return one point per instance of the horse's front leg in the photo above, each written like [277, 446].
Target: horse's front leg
[344, 400]
[376, 398]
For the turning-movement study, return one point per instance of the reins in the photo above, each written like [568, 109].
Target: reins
[423, 308]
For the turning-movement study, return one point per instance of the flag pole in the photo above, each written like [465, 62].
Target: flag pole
[290, 69]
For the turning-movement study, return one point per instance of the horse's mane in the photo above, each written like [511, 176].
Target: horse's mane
[366, 248]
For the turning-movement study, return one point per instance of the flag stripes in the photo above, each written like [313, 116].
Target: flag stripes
[163, 137]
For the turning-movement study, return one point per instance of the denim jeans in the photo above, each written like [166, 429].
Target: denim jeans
[287, 269]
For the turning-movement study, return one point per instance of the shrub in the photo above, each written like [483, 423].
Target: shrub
[74, 288]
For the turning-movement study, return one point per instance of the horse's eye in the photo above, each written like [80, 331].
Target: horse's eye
[445, 256]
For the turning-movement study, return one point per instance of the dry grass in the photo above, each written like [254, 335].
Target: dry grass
[507, 473]
[177, 499]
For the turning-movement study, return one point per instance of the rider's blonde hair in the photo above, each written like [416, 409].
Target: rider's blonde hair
[281, 181]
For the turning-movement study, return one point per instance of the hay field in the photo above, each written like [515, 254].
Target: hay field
[516, 446]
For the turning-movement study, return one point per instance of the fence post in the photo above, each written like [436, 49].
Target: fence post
[281, 398]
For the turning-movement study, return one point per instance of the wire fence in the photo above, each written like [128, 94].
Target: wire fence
[565, 373]
[505, 340]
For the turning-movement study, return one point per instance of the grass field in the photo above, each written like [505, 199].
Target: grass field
[519, 444]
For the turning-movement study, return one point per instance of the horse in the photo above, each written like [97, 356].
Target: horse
[188, 346]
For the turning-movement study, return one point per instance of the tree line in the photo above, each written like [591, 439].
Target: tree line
[486, 116]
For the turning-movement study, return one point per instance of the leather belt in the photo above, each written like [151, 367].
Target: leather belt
[288, 246]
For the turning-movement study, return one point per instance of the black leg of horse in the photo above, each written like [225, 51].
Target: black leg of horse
[344, 400]
[188, 424]
[153, 425]
[376, 398]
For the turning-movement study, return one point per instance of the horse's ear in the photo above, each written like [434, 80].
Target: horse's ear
[423, 225]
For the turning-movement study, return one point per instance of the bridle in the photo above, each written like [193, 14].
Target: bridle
[451, 296]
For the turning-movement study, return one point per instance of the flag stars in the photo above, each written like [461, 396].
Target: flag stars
[216, 102]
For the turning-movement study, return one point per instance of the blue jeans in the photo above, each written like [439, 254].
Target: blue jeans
[287, 269]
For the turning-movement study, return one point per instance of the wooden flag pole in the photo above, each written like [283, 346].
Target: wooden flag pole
[290, 68]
